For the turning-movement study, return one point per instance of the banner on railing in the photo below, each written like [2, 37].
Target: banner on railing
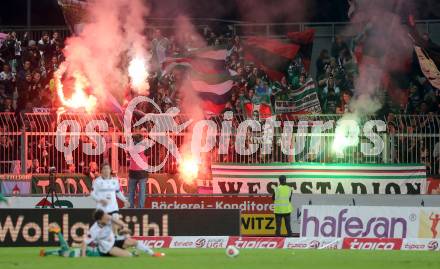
[64, 183]
[12, 184]
[81, 184]
[165, 183]
[302, 100]
[169, 184]
[370, 222]
[314, 178]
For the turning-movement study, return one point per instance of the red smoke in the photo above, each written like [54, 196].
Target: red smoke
[101, 51]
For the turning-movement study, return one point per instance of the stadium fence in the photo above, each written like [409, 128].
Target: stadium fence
[27, 142]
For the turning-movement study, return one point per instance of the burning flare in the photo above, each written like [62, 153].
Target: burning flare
[346, 135]
[79, 98]
[138, 72]
[189, 169]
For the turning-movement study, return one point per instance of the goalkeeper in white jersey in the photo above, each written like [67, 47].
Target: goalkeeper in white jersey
[105, 190]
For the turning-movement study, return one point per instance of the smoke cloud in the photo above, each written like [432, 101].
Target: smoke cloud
[186, 33]
[386, 49]
[276, 10]
[101, 51]
[386, 40]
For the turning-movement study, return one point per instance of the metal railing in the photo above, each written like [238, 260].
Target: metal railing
[27, 143]
[323, 29]
[244, 29]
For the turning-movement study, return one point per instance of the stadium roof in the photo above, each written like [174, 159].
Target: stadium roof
[14, 12]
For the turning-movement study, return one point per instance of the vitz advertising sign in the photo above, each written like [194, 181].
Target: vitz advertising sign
[369, 222]
[257, 216]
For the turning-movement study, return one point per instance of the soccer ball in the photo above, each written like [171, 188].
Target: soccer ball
[232, 251]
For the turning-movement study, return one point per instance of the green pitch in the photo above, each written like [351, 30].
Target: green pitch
[23, 258]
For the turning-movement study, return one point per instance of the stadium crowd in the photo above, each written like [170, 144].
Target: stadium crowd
[28, 67]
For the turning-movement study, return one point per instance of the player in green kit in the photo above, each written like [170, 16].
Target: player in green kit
[64, 250]
[3, 199]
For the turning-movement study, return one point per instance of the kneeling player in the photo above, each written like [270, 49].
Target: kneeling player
[64, 250]
[101, 233]
[3, 199]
